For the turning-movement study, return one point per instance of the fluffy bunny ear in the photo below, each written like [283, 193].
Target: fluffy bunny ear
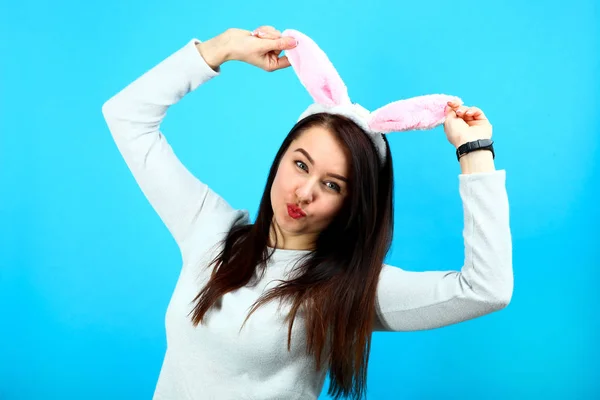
[421, 112]
[315, 71]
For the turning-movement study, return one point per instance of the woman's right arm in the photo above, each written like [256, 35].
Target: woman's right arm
[134, 117]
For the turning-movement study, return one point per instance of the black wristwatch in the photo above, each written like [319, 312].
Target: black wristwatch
[481, 144]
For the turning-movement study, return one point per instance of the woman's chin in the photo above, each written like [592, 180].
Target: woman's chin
[289, 224]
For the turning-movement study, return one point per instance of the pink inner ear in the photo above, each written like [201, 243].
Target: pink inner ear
[421, 112]
[315, 71]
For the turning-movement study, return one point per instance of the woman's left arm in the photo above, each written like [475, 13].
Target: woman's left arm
[408, 301]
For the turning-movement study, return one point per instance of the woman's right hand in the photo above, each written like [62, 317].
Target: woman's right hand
[260, 48]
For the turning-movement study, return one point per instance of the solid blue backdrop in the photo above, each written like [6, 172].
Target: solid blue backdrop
[87, 268]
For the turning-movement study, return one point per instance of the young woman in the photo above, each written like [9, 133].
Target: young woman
[265, 310]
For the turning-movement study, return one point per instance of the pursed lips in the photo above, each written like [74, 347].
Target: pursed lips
[296, 209]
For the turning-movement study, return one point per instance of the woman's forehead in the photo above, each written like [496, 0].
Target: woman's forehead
[322, 148]
[320, 140]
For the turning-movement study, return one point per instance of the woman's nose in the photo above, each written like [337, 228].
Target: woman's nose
[305, 191]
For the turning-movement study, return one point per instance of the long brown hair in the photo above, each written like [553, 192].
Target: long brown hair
[337, 287]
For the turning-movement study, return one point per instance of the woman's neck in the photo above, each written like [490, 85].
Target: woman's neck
[289, 242]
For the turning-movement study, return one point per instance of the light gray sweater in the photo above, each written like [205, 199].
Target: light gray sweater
[217, 361]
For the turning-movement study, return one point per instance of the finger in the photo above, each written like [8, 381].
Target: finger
[271, 30]
[467, 114]
[281, 63]
[266, 32]
[265, 35]
[266, 28]
[454, 104]
[460, 111]
[475, 113]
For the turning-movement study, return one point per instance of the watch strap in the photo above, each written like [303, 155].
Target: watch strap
[480, 144]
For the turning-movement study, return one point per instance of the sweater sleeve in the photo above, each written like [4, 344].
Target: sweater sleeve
[411, 301]
[134, 116]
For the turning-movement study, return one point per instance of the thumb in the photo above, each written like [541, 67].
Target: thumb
[280, 44]
[451, 119]
[450, 113]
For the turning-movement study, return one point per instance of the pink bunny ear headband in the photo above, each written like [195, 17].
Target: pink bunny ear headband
[330, 94]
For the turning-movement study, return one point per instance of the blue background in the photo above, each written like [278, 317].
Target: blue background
[87, 268]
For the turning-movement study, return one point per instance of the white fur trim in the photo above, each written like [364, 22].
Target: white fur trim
[356, 113]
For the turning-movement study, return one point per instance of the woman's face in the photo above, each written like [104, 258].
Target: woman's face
[309, 188]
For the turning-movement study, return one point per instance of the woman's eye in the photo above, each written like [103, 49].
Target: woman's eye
[301, 165]
[334, 186]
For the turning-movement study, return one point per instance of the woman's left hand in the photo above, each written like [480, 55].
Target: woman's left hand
[465, 124]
